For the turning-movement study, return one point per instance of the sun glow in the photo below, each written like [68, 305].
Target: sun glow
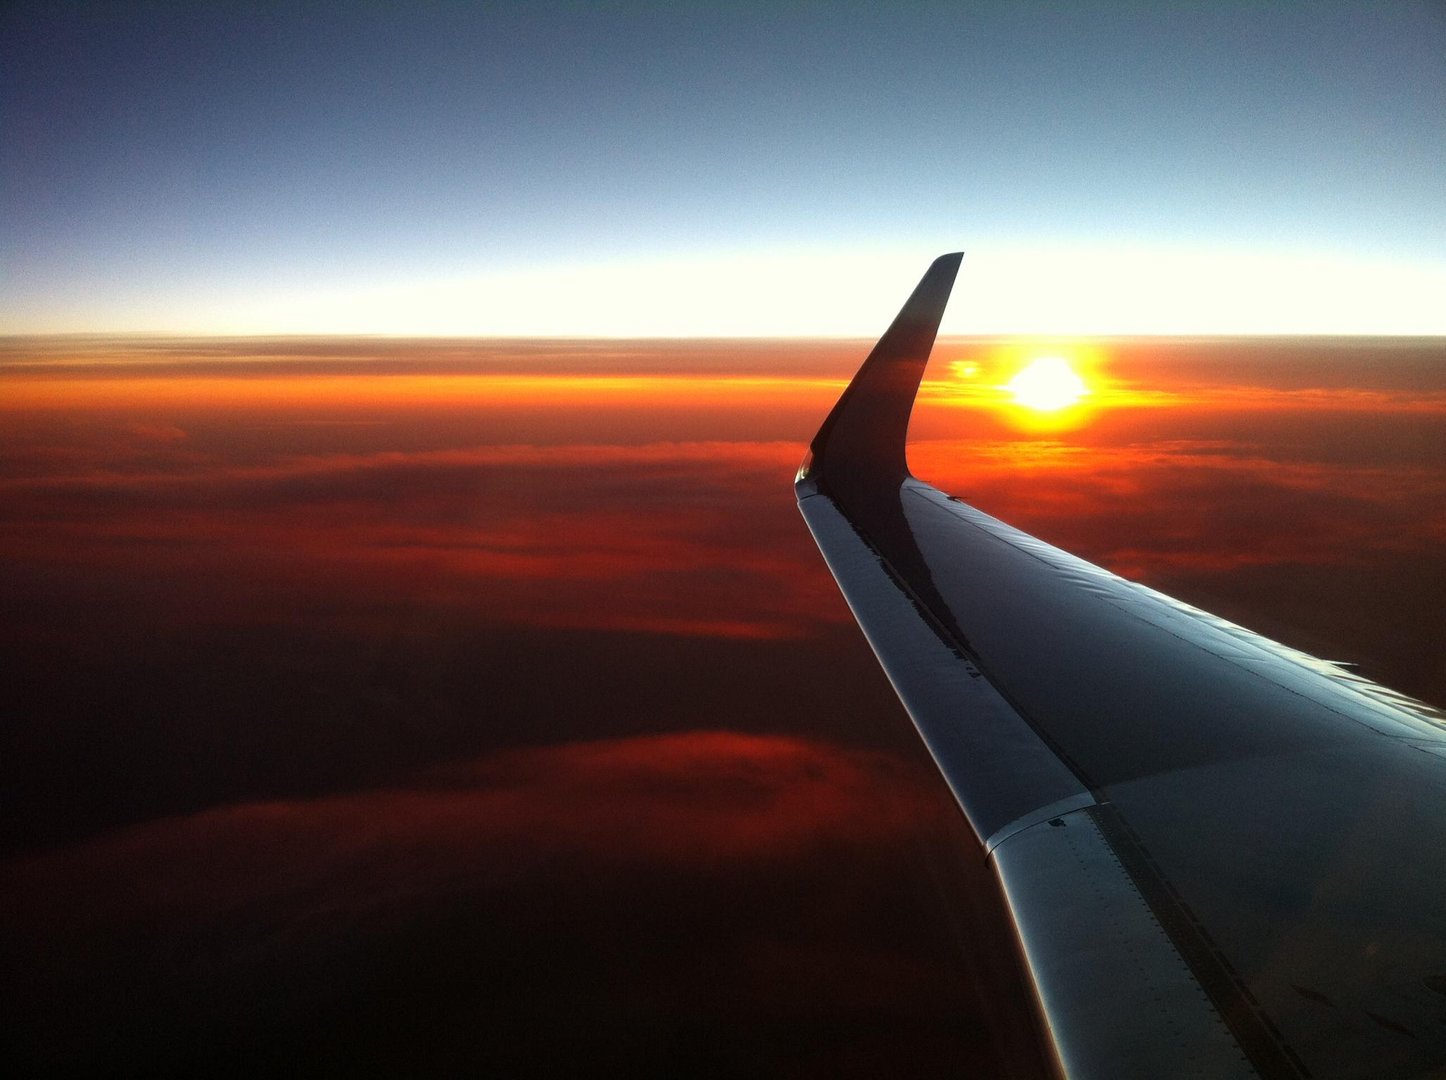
[1048, 385]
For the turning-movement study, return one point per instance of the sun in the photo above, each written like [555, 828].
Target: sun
[1047, 385]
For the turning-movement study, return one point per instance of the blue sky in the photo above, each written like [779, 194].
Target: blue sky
[749, 168]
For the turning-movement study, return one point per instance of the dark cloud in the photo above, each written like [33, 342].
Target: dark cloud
[741, 854]
[691, 800]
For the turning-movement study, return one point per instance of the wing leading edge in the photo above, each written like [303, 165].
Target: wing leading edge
[1222, 856]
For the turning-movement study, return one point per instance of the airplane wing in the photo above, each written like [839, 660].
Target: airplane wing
[1223, 857]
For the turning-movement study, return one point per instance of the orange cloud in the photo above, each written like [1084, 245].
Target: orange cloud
[290, 393]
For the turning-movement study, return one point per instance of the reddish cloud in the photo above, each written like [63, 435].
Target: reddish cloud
[667, 537]
[697, 800]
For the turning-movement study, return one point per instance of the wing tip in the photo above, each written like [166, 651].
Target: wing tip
[863, 435]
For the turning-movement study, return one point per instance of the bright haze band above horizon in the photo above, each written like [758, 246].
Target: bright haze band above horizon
[627, 170]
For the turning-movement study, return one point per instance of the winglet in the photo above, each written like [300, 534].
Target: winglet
[862, 440]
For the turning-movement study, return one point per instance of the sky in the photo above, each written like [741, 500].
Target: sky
[736, 169]
[379, 701]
